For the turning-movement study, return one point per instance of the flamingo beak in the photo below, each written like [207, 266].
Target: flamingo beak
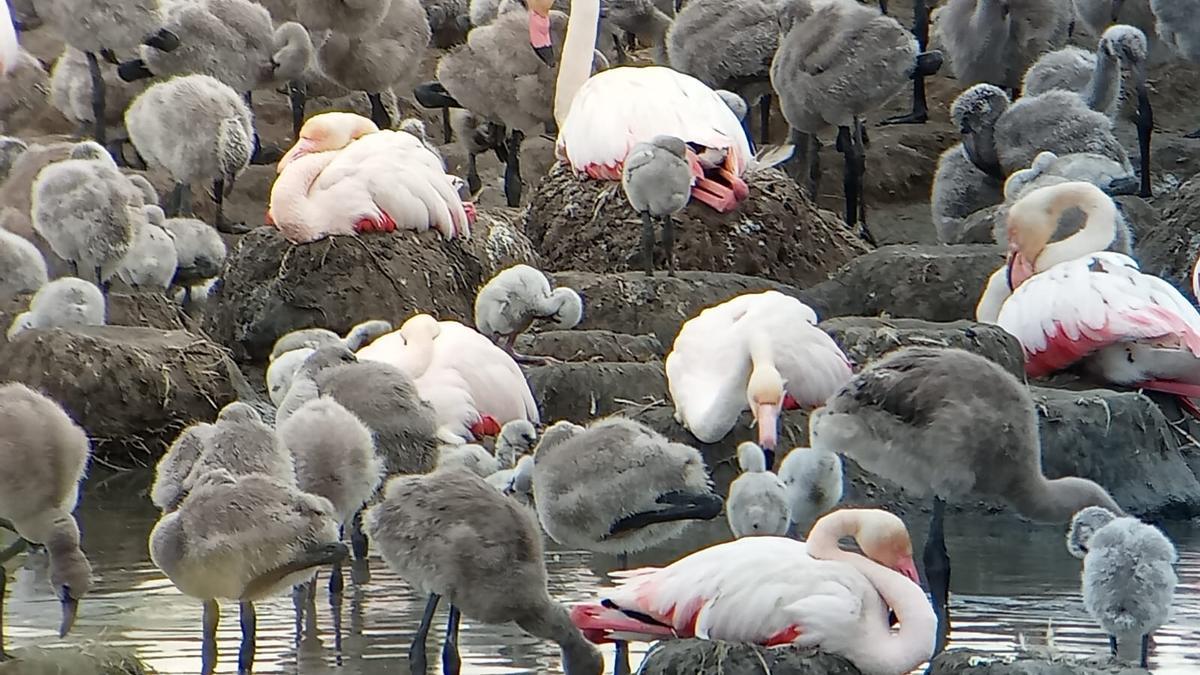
[539, 30]
[1019, 267]
[70, 607]
[767, 417]
[908, 568]
[300, 149]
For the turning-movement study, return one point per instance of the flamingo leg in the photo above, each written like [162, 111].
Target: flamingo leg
[1145, 129]
[416, 653]
[208, 645]
[648, 243]
[249, 620]
[620, 658]
[358, 538]
[920, 109]
[97, 97]
[379, 114]
[336, 583]
[1145, 660]
[668, 242]
[451, 663]
[473, 182]
[1186, 392]
[764, 119]
[1112, 644]
[3, 586]
[298, 98]
[510, 346]
[937, 573]
[447, 132]
[512, 169]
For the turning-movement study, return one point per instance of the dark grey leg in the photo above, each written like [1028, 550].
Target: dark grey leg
[100, 283]
[379, 114]
[473, 182]
[97, 98]
[764, 119]
[3, 587]
[220, 189]
[920, 110]
[1112, 644]
[860, 167]
[621, 658]
[668, 242]
[447, 132]
[1145, 129]
[451, 663]
[179, 202]
[298, 98]
[358, 538]
[1193, 134]
[1145, 661]
[937, 572]
[648, 243]
[845, 145]
[336, 583]
[249, 626]
[208, 646]
[512, 169]
[416, 653]
[883, 6]
[299, 604]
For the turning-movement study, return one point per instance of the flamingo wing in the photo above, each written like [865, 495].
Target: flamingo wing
[1078, 307]
[620, 107]
[9, 48]
[494, 379]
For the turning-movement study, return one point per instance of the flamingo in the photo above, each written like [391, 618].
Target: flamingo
[1076, 302]
[775, 591]
[345, 176]
[473, 386]
[600, 118]
[10, 50]
[761, 350]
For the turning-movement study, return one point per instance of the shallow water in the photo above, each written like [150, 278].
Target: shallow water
[1009, 578]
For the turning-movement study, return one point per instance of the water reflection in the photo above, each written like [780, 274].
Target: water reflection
[1010, 579]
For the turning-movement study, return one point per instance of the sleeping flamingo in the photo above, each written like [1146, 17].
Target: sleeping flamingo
[758, 350]
[345, 176]
[1075, 302]
[474, 386]
[600, 118]
[775, 591]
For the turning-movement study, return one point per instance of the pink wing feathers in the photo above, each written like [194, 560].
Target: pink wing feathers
[1077, 308]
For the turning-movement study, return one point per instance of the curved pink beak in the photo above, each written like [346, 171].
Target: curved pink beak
[300, 149]
[908, 568]
[767, 417]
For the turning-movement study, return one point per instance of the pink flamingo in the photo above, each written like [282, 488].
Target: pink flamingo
[758, 350]
[600, 118]
[775, 591]
[9, 49]
[474, 386]
[345, 176]
[1074, 302]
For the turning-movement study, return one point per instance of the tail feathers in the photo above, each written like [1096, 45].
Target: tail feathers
[601, 624]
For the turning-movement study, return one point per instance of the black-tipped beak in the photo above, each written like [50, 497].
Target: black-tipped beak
[434, 95]
[133, 70]
[928, 63]
[164, 41]
[1122, 185]
[546, 54]
[70, 607]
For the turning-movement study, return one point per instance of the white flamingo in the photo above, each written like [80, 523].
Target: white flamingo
[776, 591]
[758, 350]
[600, 118]
[10, 50]
[345, 176]
[1075, 302]
[473, 385]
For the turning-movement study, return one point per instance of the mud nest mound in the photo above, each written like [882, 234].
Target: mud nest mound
[131, 389]
[271, 286]
[1170, 250]
[711, 657]
[776, 233]
[88, 659]
[148, 310]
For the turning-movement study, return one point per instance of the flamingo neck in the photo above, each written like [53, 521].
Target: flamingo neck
[575, 62]
[290, 204]
[876, 647]
[1098, 231]
[764, 376]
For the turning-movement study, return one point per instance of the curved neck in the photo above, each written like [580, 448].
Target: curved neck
[1098, 231]
[1106, 79]
[1058, 500]
[763, 373]
[289, 195]
[575, 63]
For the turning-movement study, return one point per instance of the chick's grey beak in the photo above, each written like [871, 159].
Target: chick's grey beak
[70, 607]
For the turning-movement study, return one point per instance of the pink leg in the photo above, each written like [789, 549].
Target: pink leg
[715, 195]
[469, 207]
[740, 190]
[486, 426]
[1185, 391]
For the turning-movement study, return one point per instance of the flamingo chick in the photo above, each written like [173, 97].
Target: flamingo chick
[511, 301]
[776, 591]
[813, 481]
[658, 181]
[758, 350]
[757, 503]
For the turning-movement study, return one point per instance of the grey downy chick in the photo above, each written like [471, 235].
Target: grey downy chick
[658, 181]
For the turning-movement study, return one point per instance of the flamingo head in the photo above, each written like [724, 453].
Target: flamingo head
[1033, 224]
[539, 30]
[327, 131]
[883, 538]
[420, 328]
[765, 394]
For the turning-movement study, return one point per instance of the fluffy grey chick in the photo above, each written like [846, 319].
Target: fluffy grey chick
[813, 480]
[969, 176]
[385, 399]
[63, 303]
[152, 260]
[511, 301]
[1128, 582]
[1176, 22]
[757, 503]
[449, 21]
[516, 482]
[736, 103]
[516, 438]
[45, 456]
[1058, 121]
[358, 337]
[173, 467]
[987, 41]
[242, 444]
[1083, 526]
[243, 538]
[728, 45]
[619, 487]
[476, 135]
[335, 458]
[71, 91]
[643, 20]
[11, 149]
[87, 211]
[22, 267]
[200, 253]
[449, 534]
[214, 152]
[658, 183]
